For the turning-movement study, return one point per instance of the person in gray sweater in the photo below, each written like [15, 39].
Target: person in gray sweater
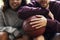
[9, 21]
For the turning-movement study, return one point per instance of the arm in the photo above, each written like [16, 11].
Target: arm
[1, 19]
[53, 25]
[58, 14]
[26, 12]
[57, 11]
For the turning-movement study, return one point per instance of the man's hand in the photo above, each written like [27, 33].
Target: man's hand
[38, 22]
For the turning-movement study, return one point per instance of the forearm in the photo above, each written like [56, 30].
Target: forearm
[26, 12]
[54, 25]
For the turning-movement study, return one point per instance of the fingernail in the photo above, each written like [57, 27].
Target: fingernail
[30, 23]
[32, 26]
[38, 27]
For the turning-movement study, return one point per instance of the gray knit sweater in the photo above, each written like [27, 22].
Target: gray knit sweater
[10, 22]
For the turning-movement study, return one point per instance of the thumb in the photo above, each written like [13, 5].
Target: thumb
[39, 16]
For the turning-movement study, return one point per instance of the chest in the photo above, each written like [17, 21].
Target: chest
[12, 19]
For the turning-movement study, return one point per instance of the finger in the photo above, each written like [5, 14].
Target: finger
[35, 22]
[36, 25]
[39, 16]
[36, 19]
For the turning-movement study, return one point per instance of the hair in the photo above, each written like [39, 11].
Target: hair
[6, 4]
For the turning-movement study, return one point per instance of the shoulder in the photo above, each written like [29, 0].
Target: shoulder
[55, 3]
[1, 10]
[1, 13]
[58, 2]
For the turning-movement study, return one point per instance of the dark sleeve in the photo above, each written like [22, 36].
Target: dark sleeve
[26, 12]
[58, 13]
[53, 25]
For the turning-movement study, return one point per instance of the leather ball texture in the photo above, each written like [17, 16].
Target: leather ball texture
[32, 31]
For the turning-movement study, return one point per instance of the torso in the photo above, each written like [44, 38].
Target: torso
[11, 18]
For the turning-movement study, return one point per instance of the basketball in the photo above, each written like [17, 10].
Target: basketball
[32, 31]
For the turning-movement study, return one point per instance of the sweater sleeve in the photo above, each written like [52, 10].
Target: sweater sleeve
[54, 25]
[26, 12]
